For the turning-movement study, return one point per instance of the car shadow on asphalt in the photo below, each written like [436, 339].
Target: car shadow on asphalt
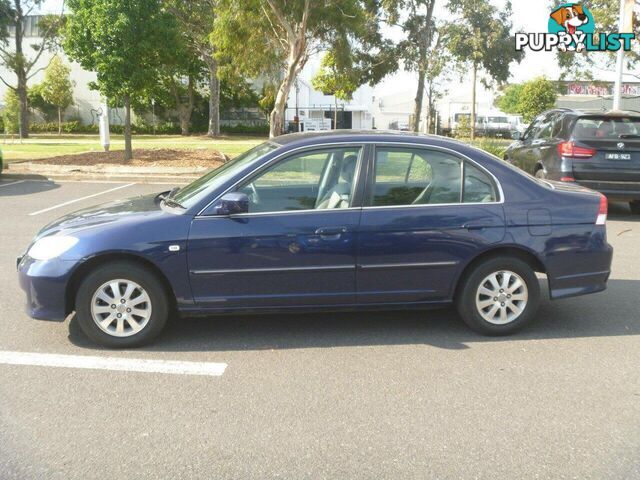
[622, 213]
[606, 314]
[27, 186]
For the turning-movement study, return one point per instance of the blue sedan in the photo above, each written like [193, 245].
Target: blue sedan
[339, 220]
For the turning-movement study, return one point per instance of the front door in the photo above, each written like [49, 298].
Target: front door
[296, 246]
[421, 224]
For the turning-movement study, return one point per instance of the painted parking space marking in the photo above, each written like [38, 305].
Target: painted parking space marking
[172, 367]
[11, 183]
[64, 204]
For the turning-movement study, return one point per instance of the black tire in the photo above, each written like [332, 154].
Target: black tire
[151, 285]
[635, 207]
[468, 291]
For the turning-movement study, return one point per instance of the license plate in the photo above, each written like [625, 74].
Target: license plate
[617, 156]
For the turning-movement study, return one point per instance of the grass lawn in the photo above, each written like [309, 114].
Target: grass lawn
[46, 146]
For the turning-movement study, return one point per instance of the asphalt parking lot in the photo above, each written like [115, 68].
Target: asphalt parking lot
[359, 395]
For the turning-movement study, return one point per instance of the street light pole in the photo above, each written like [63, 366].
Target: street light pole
[625, 25]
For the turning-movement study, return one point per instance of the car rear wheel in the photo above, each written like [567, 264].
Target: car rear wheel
[635, 207]
[121, 305]
[499, 296]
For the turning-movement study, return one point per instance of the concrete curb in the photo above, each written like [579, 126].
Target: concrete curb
[106, 172]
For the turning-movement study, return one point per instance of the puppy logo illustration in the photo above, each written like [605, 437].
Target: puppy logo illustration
[571, 27]
[571, 19]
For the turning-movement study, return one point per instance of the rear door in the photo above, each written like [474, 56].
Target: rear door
[419, 225]
[616, 144]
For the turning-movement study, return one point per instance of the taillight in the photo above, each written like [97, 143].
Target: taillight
[601, 219]
[567, 179]
[570, 149]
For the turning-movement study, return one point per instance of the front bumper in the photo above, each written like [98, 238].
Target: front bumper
[45, 283]
[622, 191]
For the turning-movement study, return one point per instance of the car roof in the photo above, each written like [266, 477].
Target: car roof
[583, 112]
[309, 138]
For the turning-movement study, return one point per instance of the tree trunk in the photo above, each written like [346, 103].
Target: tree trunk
[214, 98]
[185, 110]
[21, 74]
[128, 151]
[473, 101]
[59, 121]
[417, 106]
[295, 62]
[24, 107]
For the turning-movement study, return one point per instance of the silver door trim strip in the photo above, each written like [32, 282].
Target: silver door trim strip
[373, 266]
[324, 268]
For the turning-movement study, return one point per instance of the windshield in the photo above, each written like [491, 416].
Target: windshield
[498, 120]
[200, 188]
[606, 128]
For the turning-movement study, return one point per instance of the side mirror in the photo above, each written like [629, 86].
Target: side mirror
[232, 204]
[516, 135]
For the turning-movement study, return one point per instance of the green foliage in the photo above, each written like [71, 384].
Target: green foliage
[11, 112]
[509, 98]
[246, 129]
[37, 102]
[481, 37]
[330, 80]
[537, 96]
[267, 99]
[124, 42]
[463, 128]
[492, 146]
[56, 88]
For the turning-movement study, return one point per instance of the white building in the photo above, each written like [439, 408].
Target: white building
[86, 101]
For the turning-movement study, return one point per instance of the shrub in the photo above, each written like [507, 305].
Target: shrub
[11, 112]
[246, 129]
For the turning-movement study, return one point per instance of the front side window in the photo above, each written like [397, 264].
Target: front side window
[321, 179]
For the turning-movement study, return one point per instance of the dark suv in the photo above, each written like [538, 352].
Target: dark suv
[593, 149]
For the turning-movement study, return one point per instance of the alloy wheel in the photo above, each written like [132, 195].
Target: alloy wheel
[121, 308]
[501, 297]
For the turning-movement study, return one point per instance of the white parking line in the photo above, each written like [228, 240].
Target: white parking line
[210, 369]
[80, 199]
[12, 183]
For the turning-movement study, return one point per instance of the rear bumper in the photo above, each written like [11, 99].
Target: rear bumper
[623, 191]
[580, 273]
[45, 283]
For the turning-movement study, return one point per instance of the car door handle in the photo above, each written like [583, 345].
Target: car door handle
[474, 226]
[331, 232]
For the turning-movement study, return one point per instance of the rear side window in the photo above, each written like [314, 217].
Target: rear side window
[478, 187]
[606, 128]
[407, 176]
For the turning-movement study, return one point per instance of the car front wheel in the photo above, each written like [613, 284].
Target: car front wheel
[499, 296]
[121, 305]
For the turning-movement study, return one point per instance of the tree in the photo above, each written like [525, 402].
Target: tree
[125, 43]
[508, 100]
[481, 40]
[330, 80]
[536, 96]
[419, 29]
[16, 60]
[195, 19]
[282, 34]
[57, 88]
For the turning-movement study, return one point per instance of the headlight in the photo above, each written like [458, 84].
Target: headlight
[51, 247]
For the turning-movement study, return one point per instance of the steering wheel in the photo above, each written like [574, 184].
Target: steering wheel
[254, 197]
